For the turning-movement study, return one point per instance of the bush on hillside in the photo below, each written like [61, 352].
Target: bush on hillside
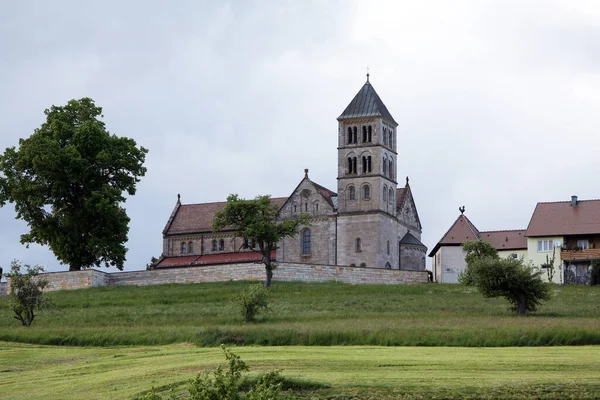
[475, 250]
[26, 292]
[251, 301]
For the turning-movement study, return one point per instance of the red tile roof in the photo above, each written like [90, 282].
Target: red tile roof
[560, 218]
[212, 259]
[505, 240]
[463, 230]
[192, 218]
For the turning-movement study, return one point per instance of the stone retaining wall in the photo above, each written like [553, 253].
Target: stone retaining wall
[233, 272]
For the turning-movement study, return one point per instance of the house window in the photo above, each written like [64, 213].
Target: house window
[306, 241]
[366, 193]
[358, 245]
[182, 249]
[545, 246]
[221, 245]
[214, 245]
[583, 244]
[351, 193]
[190, 247]
[514, 255]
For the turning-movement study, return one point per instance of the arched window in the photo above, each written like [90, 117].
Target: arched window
[349, 139]
[369, 164]
[385, 164]
[190, 247]
[316, 207]
[391, 138]
[369, 133]
[351, 165]
[391, 168]
[354, 131]
[363, 265]
[214, 245]
[388, 248]
[364, 129]
[354, 169]
[351, 193]
[358, 245]
[182, 249]
[306, 243]
[388, 265]
[384, 194]
[295, 208]
[221, 245]
[391, 196]
[366, 192]
[384, 135]
[364, 164]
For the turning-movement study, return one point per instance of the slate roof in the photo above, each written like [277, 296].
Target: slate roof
[212, 259]
[192, 218]
[560, 218]
[411, 240]
[366, 103]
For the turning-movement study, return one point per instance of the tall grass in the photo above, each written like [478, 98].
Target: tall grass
[308, 314]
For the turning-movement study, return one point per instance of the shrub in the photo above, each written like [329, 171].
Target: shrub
[595, 273]
[251, 301]
[475, 250]
[26, 292]
[512, 279]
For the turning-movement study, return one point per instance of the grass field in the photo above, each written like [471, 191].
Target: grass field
[358, 372]
[308, 314]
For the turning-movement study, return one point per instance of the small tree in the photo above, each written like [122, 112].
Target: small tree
[256, 220]
[512, 279]
[549, 265]
[251, 301]
[152, 263]
[595, 273]
[26, 292]
[475, 250]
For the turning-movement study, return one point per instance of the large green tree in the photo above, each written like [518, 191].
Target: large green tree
[67, 181]
[255, 220]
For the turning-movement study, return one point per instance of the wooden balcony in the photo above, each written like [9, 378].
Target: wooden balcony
[588, 254]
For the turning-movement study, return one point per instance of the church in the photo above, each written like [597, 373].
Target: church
[368, 221]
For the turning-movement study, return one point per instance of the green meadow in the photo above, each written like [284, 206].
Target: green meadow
[308, 315]
[357, 372]
[331, 341]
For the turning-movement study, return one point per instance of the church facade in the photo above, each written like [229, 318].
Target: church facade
[367, 222]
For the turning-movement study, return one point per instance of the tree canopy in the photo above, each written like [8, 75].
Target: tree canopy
[255, 220]
[67, 182]
[509, 277]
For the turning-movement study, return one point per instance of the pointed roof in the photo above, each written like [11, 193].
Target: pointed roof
[409, 239]
[564, 218]
[405, 194]
[460, 232]
[366, 103]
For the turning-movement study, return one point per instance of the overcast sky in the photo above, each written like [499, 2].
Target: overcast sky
[497, 101]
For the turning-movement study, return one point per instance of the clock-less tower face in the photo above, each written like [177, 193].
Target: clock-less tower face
[367, 155]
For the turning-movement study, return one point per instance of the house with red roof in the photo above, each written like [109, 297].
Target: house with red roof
[368, 221]
[448, 259]
[562, 239]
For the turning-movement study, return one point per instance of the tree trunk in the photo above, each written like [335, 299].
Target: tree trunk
[522, 307]
[269, 273]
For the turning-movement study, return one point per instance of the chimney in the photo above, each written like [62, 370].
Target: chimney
[573, 201]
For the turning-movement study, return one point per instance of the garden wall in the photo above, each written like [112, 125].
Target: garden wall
[3, 288]
[233, 272]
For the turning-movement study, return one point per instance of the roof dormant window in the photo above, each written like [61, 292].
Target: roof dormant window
[545, 246]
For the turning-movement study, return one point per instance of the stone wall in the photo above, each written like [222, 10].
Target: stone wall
[234, 272]
[3, 288]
